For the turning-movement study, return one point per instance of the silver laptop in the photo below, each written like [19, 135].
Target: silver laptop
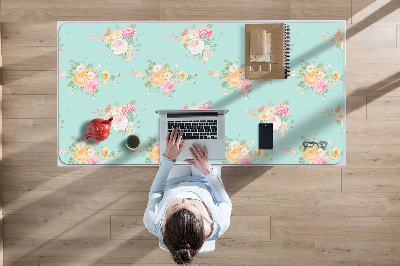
[205, 127]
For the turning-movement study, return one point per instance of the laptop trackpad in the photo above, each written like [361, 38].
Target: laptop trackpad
[186, 152]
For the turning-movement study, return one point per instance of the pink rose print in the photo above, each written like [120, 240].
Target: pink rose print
[275, 120]
[321, 160]
[205, 32]
[196, 46]
[244, 86]
[244, 160]
[128, 108]
[205, 106]
[119, 122]
[119, 46]
[167, 86]
[128, 32]
[91, 86]
[90, 160]
[320, 86]
[282, 108]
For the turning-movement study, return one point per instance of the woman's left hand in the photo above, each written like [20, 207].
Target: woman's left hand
[174, 147]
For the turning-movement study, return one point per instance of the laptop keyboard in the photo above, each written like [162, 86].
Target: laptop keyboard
[195, 129]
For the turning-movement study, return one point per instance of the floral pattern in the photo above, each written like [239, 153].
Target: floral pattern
[161, 76]
[336, 37]
[314, 77]
[238, 152]
[152, 151]
[99, 61]
[233, 79]
[87, 77]
[278, 115]
[61, 45]
[198, 42]
[87, 152]
[337, 114]
[61, 121]
[315, 155]
[204, 105]
[121, 42]
[124, 117]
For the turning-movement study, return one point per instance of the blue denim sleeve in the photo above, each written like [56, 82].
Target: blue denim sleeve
[156, 194]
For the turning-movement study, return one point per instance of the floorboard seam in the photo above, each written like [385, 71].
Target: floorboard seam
[351, 9]
[270, 227]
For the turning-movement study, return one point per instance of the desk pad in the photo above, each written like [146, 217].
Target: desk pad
[127, 70]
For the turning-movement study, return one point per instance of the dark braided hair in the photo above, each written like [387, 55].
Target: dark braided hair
[184, 235]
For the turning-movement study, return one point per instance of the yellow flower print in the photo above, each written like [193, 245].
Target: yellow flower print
[81, 78]
[186, 39]
[311, 154]
[234, 78]
[80, 155]
[263, 116]
[335, 152]
[157, 78]
[109, 39]
[105, 152]
[234, 155]
[335, 75]
[182, 75]
[117, 110]
[108, 116]
[116, 33]
[258, 152]
[105, 75]
[192, 34]
[155, 154]
[270, 110]
[310, 78]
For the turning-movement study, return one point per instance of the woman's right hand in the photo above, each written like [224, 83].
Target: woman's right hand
[201, 161]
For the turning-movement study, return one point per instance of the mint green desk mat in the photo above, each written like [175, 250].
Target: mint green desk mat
[206, 73]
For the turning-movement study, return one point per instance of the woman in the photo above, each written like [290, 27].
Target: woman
[187, 211]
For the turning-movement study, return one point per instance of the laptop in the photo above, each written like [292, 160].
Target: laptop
[206, 127]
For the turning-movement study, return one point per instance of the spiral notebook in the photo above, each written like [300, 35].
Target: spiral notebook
[267, 51]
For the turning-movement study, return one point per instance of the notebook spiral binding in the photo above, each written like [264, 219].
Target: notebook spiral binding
[286, 51]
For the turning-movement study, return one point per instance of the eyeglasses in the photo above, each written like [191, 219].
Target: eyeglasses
[310, 144]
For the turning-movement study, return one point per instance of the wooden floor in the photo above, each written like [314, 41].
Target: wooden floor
[281, 215]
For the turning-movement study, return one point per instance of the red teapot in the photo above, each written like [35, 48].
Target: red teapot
[98, 129]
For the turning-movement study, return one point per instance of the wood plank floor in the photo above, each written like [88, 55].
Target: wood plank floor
[281, 215]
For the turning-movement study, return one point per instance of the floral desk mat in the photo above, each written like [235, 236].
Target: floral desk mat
[128, 70]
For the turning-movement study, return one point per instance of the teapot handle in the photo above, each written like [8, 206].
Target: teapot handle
[88, 135]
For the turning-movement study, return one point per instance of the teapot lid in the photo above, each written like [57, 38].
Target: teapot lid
[96, 129]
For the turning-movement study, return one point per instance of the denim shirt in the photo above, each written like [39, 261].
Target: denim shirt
[209, 188]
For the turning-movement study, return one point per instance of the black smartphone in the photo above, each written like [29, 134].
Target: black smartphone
[265, 136]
